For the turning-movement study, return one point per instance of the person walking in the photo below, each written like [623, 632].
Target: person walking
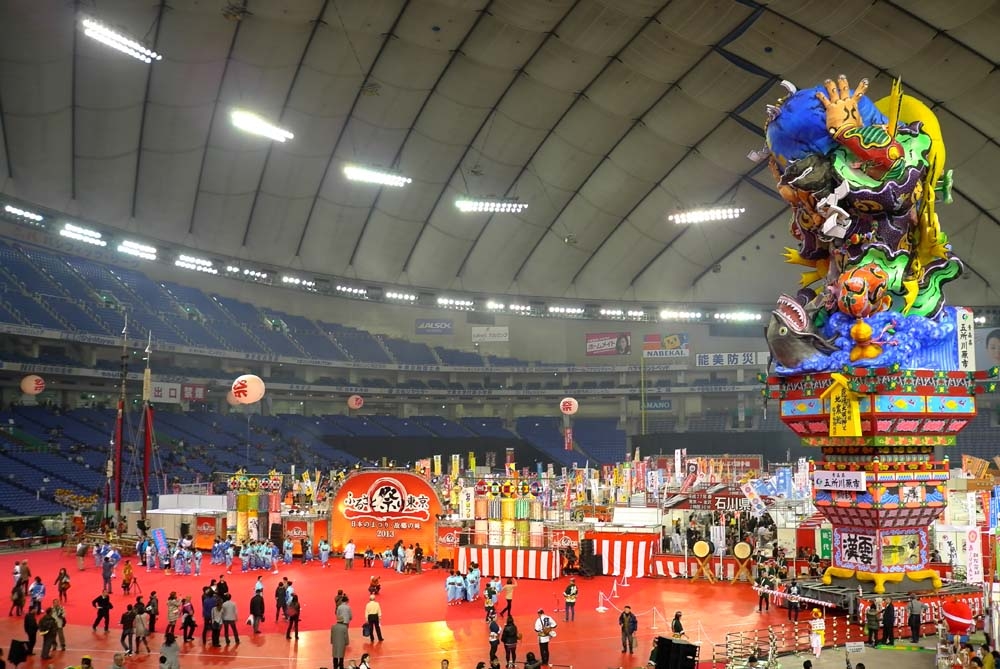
[31, 630]
[494, 639]
[59, 613]
[257, 610]
[339, 640]
[229, 617]
[871, 625]
[915, 608]
[280, 601]
[81, 554]
[208, 603]
[888, 624]
[373, 614]
[676, 626]
[37, 593]
[545, 628]
[216, 623]
[569, 595]
[153, 610]
[47, 628]
[170, 652]
[103, 605]
[509, 638]
[344, 612]
[62, 584]
[349, 550]
[107, 570]
[141, 627]
[628, 624]
[188, 623]
[128, 629]
[508, 593]
[764, 584]
[293, 611]
[793, 600]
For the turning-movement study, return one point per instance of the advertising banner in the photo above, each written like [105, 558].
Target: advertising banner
[826, 543]
[193, 392]
[448, 541]
[165, 393]
[659, 405]
[296, 530]
[482, 334]
[378, 508]
[966, 339]
[159, 536]
[665, 346]
[609, 343]
[974, 555]
[741, 359]
[435, 326]
[205, 532]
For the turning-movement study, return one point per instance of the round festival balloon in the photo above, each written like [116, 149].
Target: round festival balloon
[958, 617]
[569, 406]
[231, 399]
[32, 384]
[248, 389]
[355, 402]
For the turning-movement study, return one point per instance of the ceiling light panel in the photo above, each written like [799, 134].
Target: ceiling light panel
[23, 213]
[99, 32]
[365, 175]
[491, 206]
[82, 235]
[706, 215]
[138, 250]
[256, 125]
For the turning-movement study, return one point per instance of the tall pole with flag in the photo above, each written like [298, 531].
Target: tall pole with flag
[119, 421]
[147, 424]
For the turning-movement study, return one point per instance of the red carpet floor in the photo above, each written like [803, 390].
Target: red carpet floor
[419, 627]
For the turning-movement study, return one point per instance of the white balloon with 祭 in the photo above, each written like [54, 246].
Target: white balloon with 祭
[355, 402]
[248, 388]
[569, 406]
[32, 384]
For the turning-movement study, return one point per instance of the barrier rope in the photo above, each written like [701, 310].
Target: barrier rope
[784, 595]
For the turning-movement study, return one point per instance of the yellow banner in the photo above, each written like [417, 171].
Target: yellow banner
[974, 467]
[845, 412]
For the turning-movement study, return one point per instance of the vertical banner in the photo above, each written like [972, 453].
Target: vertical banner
[966, 339]
[456, 465]
[509, 456]
[466, 503]
[974, 555]
[437, 465]
[826, 543]
[205, 532]
[677, 465]
[472, 461]
[568, 439]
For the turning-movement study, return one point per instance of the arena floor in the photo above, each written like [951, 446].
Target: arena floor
[419, 627]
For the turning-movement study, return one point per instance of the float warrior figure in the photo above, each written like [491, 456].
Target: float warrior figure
[860, 178]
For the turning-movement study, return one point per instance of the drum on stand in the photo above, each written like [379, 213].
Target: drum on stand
[742, 553]
[703, 554]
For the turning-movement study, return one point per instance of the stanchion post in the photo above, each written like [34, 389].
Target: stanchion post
[653, 626]
[614, 591]
[601, 608]
[624, 582]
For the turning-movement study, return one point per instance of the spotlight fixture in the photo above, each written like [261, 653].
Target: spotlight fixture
[101, 33]
[138, 250]
[453, 303]
[737, 316]
[255, 125]
[635, 313]
[365, 175]
[704, 215]
[569, 311]
[196, 264]
[350, 290]
[491, 206]
[23, 213]
[495, 306]
[612, 313]
[670, 315]
[522, 308]
[82, 235]
[979, 320]
[404, 297]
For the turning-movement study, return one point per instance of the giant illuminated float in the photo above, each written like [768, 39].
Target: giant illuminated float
[870, 365]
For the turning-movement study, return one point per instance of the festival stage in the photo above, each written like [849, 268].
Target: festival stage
[420, 628]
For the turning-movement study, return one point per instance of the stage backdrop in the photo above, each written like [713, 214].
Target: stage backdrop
[379, 508]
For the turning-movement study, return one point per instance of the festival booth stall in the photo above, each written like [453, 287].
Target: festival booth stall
[180, 515]
[253, 504]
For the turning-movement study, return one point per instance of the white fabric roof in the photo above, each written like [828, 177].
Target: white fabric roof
[604, 116]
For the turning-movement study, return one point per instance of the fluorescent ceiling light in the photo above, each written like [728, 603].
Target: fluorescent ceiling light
[406, 297]
[255, 125]
[82, 235]
[355, 173]
[704, 215]
[737, 316]
[197, 264]
[491, 206]
[670, 315]
[138, 250]
[23, 213]
[101, 33]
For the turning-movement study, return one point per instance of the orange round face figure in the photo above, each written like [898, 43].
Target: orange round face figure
[862, 291]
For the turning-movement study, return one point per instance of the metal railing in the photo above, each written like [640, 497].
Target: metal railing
[789, 638]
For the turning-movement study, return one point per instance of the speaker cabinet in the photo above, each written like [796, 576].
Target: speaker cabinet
[185, 529]
[676, 654]
[277, 536]
[586, 547]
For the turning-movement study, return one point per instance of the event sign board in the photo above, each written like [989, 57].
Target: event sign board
[609, 343]
[379, 508]
[485, 334]
[434, 326]
[665, 346]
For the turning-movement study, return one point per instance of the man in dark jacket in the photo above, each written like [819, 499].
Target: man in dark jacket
[208, 602]
[888, 624]
[48, 627]
[628, 624]
[31, 629]
[103, 605]
[257, 610]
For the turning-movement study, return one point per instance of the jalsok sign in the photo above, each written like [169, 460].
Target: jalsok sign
[378, 509]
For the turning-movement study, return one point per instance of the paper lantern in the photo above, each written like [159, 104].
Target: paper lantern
[569, 406]
[248, 389]
[231, 399]
[32, 384]
[355, 402]
[958, 616]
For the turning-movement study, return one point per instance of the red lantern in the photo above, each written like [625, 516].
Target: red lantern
[355, 402]
[958, 616]
[32, 384]
[569, 406]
